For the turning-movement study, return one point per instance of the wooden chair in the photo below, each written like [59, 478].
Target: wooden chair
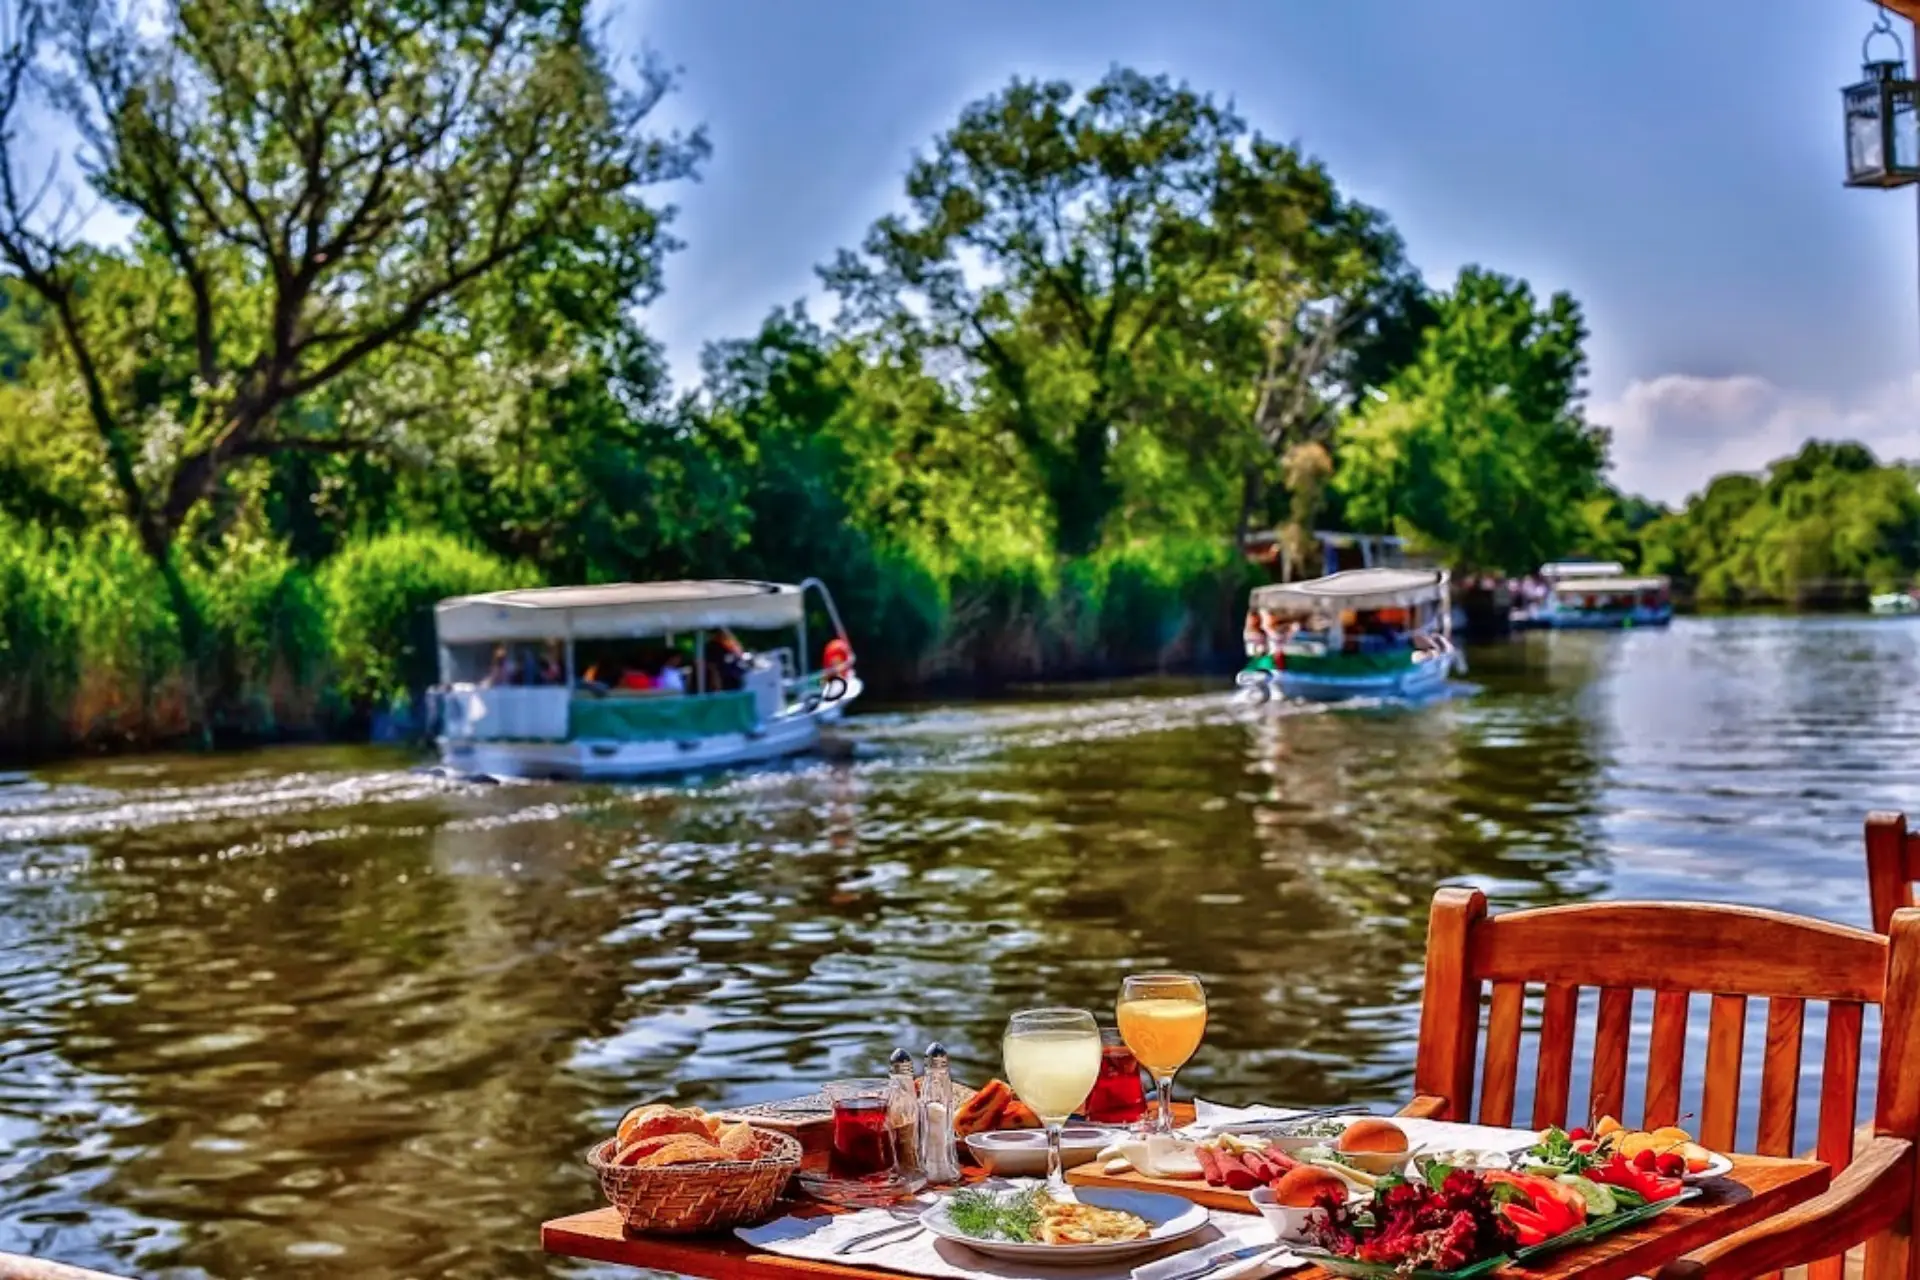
[1674, 951]
[1893, 864]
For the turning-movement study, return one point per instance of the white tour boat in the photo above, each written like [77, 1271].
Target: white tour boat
[635, 679]
[1363, 633]
[1588, 595]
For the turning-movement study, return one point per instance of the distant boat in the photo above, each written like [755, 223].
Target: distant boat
[1590, 595]
[1894, 602]
[1363, 633]
[678, 692]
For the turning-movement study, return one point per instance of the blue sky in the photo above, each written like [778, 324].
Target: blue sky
[1673, 163]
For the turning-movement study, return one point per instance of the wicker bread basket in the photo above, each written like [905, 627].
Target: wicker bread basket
[681, 1199]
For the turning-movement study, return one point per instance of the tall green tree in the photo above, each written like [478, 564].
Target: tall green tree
[1128, 270]
[316, 187]
[1826, 525]
[1479, 449]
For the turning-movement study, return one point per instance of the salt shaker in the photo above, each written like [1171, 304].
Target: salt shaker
[939, 1158]
[903, 1111]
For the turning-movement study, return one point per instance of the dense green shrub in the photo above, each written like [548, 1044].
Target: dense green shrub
[379, 595]
[39, 636]
[267, 636]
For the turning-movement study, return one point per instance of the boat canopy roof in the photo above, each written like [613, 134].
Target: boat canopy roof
[1601, 586]
[616, 611]
[1583, 569]
[1353, 589]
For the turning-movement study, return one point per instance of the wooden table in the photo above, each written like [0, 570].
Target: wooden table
[1757, 1188]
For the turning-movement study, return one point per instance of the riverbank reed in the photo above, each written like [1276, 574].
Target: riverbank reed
[91, 657]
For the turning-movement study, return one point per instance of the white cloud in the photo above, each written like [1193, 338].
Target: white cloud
[1673, 433]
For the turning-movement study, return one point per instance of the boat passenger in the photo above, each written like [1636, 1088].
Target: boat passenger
[837, 658]
[552, 667]
[501, 671]
[726, 661]
[1277, 635]
[673, 674]
[636, 680]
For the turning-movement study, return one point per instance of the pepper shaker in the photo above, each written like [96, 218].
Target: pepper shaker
[940, 1158]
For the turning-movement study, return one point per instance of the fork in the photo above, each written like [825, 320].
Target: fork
[907, 1226]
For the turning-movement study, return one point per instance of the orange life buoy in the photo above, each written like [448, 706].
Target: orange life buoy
[838, 657]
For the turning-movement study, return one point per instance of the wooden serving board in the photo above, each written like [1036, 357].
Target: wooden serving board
[1194, 1189]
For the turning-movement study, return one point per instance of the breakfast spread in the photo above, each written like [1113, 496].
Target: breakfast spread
[1359, 1193]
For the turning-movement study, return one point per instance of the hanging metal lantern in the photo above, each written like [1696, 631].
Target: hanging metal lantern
[1882, 116]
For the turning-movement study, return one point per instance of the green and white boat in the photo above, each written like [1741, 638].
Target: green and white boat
[1363, 633]
[634, 680]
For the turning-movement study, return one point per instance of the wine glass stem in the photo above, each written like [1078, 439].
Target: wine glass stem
[1056, 1177]
[1163, 1085]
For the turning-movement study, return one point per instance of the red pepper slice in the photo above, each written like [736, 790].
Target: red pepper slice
[1528, 1225]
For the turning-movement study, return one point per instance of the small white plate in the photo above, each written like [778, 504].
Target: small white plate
[1720, 1167]
[1169, 1217]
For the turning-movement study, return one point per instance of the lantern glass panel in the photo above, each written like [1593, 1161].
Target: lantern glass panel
[1866, 158]
[1904, 131]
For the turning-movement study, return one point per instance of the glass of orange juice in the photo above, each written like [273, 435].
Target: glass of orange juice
[1162, 1017]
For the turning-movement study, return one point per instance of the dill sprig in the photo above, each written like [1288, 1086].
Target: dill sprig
[984, 1215]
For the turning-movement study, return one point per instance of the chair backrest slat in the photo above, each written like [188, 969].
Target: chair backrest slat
[1676, 947]
[1840, 1084]
[1780, 1076]
[1666, 1058]
[1503, 1052]
[1553, 1070]
[1612, 1036]
[1720, 1099]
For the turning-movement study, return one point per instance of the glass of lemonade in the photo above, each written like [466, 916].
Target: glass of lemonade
[1053, 1058]
[1162, 1017]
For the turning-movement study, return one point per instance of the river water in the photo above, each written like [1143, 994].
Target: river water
[310, 1012]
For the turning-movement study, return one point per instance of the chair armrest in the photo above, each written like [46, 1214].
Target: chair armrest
[1874, 1193]
[1425, 1107]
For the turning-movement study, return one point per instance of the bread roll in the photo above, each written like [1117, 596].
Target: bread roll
[1382, 1136]
[658, 1119]
[738, 1142]
[683, 1150]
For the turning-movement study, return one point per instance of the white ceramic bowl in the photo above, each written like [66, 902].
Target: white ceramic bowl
[1289, 1224]
[1378, 1162]
[1022, 1153]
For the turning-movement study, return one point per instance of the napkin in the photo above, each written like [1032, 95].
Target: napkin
[1180, 1264]
[923, 1254]
[1432, 1135]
